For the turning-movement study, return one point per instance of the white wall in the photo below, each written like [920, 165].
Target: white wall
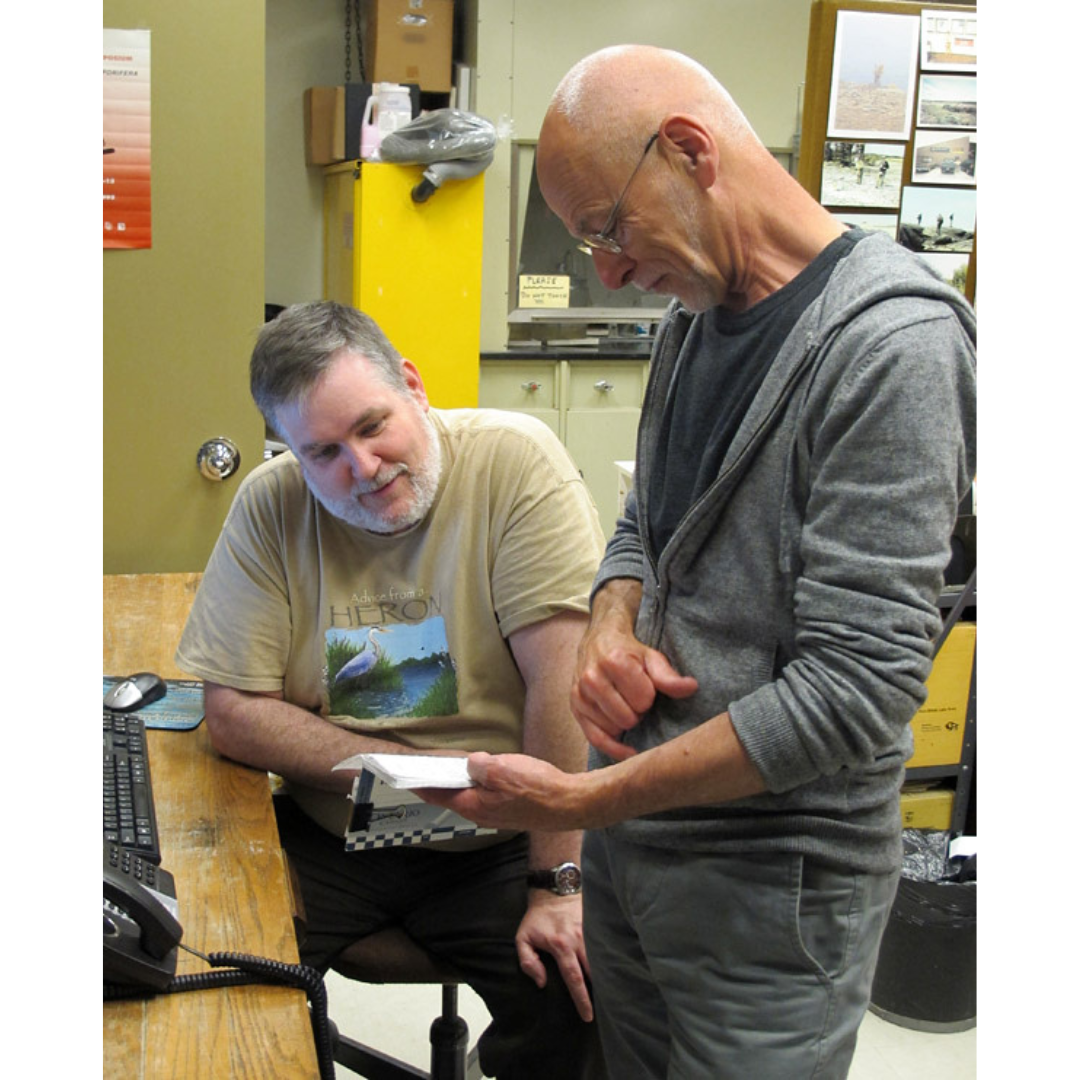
[305, 46]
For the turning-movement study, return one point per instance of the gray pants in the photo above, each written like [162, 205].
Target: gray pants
[720, 967]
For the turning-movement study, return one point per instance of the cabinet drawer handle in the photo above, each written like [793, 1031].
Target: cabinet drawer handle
[531, 387]
[604, 386]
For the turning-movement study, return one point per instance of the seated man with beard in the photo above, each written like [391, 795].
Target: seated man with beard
[461, 544]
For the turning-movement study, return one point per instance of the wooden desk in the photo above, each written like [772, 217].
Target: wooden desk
[219, 840]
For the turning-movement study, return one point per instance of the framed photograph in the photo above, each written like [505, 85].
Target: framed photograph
[885, 223]
[875, 59]
[946, 101]
[951, 268]
[937, 220]
[862, 174]
[944, 159]
[949, 40]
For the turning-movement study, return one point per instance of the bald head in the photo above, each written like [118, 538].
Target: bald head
[703, 211]
[615, 97]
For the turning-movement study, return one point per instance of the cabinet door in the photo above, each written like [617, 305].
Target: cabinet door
[413, 267]
[528, 386]
[603, 409]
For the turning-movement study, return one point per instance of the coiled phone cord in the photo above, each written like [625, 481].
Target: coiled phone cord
[239, 969]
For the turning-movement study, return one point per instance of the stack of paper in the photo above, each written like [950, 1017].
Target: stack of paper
[386, 812]
[413, 770]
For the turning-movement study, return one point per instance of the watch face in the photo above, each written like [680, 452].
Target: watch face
[567, 879]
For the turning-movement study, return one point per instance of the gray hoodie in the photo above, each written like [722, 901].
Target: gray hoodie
[801, 589]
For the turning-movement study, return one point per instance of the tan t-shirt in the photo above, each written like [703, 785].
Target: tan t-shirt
[402, 637]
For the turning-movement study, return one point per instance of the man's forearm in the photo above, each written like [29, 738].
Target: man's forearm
[617, 601]
[564, 746]
[545, 653]
[704, 766]
[268, 733]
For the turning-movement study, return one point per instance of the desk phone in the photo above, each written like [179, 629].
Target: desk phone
[140, 930]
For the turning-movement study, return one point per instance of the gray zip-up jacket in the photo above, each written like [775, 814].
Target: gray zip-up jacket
[801, 589]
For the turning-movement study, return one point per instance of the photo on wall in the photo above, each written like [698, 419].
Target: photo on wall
[862, 174]
[885, 223]
[874, 72]
[946, 101]
[939, 158]
[949, 40]
[950, 267]
[937, 220]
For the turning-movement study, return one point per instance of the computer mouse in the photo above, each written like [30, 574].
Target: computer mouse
[135, 691]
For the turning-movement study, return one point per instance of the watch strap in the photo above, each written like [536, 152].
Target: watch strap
[563, 880]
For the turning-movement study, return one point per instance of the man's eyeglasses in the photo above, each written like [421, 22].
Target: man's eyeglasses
[605, 240]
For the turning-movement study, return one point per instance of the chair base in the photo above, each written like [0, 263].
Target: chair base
[451, 1058]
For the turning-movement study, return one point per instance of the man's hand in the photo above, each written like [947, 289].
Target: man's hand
[617, 677]
[553, 924]
[515, 791]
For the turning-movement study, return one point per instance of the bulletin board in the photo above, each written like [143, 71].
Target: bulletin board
[889, 127]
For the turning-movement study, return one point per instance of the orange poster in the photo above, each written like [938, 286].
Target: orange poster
[126, 139]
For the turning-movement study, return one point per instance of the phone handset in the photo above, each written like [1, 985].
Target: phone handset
[140, 933]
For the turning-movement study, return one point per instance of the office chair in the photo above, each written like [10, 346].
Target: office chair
[391, 956]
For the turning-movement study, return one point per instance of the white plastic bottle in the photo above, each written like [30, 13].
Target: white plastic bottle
[388, 108]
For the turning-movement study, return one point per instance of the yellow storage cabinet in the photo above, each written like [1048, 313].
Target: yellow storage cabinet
[413, 267]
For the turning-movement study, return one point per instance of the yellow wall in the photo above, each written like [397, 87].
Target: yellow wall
[179, 318]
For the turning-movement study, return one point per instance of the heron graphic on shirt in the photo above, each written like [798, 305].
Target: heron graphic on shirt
[364, 660]
[390, 670]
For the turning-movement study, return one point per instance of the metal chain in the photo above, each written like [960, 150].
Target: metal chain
[352, 22]
[348, 40]
[359, 43]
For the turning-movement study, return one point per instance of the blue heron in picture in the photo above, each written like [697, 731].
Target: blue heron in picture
[364, 660]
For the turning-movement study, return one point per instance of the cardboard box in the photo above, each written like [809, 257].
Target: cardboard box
[324, 125]
[927, 809]
[409, 41]
[939, 725]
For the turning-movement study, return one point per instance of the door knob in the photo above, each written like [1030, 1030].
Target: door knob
[218, 458]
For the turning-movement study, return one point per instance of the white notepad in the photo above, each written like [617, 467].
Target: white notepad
[387, 814]
[413, 770]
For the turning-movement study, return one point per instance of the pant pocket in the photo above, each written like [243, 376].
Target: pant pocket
[827, 903]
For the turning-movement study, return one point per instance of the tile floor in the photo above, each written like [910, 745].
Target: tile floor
[396, 1020]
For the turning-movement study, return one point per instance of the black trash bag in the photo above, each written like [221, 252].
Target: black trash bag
[925, 977]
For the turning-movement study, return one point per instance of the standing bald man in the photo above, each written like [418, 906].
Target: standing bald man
[763, 620]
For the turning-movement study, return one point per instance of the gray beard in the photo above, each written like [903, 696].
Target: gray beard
[424, 481]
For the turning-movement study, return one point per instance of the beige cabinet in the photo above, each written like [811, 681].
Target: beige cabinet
[529, 386]
[592, 404]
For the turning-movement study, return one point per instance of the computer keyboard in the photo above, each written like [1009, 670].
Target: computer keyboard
[128, 816]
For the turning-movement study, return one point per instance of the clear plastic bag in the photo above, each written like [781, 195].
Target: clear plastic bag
[442, 135]
[454, 145]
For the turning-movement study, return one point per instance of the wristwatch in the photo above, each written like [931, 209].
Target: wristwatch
[562, 880]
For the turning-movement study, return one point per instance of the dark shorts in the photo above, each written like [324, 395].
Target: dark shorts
[462, 906]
